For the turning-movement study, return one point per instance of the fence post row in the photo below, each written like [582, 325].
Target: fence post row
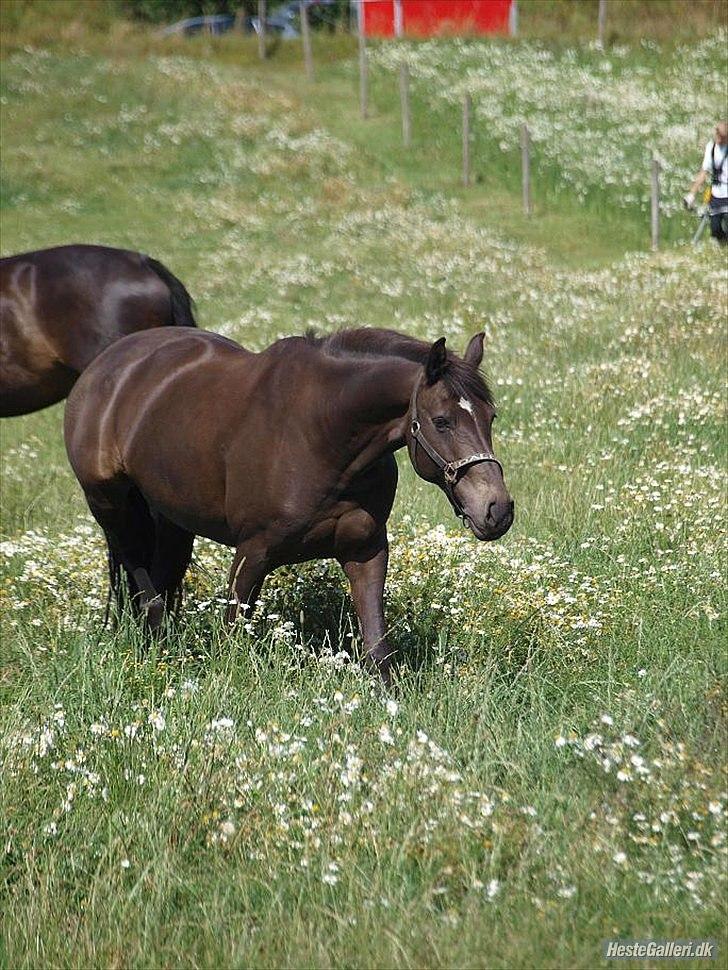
[363, 66]
[526, 166]
[306, 38]
[655, 205]
[467, 108]
[261, 29]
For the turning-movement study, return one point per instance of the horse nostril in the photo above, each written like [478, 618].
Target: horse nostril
[496, 512]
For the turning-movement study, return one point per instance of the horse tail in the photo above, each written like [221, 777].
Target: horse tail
[182, 304]
[114, 583]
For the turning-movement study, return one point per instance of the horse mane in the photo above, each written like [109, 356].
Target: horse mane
[461, 378]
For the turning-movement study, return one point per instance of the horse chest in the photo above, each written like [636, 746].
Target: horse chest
[341, 530]
[350, 523]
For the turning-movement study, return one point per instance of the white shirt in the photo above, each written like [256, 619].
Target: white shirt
[720, 191]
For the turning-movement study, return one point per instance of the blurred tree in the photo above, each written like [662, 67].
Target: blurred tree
[163, 11]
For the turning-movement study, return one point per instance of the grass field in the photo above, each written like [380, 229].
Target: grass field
[549, 771]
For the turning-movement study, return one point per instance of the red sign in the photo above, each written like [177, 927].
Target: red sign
[424, 18]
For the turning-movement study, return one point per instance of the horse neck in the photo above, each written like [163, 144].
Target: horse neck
[370, 415]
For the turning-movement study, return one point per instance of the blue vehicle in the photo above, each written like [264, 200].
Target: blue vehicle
[283, 22]
[211, 24]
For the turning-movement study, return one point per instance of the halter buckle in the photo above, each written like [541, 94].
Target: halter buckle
[415, 427]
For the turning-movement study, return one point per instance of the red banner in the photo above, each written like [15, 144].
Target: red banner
[425, 18]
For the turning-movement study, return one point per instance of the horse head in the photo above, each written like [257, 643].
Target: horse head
[449, 426]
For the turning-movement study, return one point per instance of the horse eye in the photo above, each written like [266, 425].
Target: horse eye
[442, 424]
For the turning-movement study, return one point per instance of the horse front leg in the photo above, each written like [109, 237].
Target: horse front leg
[247, 573]
[366, 572]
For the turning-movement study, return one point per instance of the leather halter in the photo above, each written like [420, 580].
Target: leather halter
[450, 469]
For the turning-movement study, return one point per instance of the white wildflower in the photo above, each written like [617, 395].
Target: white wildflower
[385, 735]
[227, 830]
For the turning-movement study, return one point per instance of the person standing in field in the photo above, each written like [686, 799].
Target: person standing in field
[715, 167]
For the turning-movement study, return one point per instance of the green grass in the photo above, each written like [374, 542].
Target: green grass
[138, 827]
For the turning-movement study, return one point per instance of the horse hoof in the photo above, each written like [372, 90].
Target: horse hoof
[154, 612]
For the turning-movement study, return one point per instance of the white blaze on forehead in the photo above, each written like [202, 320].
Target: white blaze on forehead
[465, 404]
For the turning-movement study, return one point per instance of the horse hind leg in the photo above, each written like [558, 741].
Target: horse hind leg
[171, 557]
[123, 514]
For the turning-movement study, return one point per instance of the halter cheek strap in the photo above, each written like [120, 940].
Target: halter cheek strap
[450, 469]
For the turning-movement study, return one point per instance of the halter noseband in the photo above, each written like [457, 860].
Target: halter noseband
[450, 469]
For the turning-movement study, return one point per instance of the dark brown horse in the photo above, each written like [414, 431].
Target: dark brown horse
[287, 455]
[59, 308]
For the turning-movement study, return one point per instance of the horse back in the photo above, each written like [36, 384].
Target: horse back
[78, 299]
[159, 409]
[177, 370]
[60, 308]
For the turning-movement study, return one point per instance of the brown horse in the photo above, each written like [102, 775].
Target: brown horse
[59, 308]
[287, 455]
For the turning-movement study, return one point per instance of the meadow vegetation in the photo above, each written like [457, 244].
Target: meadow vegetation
[549, 770]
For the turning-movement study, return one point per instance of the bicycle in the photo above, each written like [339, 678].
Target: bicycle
[704, 213]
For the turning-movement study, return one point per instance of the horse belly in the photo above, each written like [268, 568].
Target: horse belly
[178, 471]
[192, 520]
[184, 489]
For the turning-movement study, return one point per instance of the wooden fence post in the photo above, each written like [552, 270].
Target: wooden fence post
[467, 107]
[602, 23]
[655, 205]
[306, 38]
[398, 18]
[404, 97]
[363, 65]
[261, 29]
[526, 166]
[513, 19]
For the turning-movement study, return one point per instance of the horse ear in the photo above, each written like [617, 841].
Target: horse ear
[436, 361]
[474, 353]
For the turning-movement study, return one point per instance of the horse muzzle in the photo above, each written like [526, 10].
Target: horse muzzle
[495, 523]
